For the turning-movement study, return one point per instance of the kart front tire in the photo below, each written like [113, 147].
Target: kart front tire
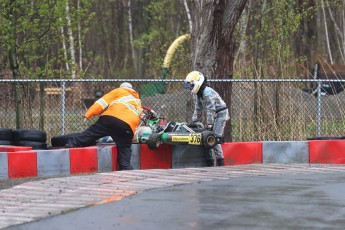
[154, 141]
[209, 139]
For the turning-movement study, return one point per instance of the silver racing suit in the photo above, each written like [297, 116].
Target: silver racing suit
[216, 115]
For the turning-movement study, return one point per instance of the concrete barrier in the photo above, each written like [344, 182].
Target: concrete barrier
[327, 151]
[17, 162]
[188, 156]
[285, 152]
[22, 164]
[237, 153]
[159, 158]
[8, 148]
[53, 163]
[3, 165]
[135, 159]
[83, 160]
[105, 158]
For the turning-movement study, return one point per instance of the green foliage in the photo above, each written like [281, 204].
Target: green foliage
[181, 62]
[146, 39]
[34, 30]
[160, 34]
[270, 34]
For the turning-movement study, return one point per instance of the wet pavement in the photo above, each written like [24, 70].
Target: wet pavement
[263, 196]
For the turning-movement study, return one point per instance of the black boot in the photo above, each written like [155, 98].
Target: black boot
[220, 162]
[210, 163]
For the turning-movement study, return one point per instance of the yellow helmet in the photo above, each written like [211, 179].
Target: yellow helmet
[193, 81]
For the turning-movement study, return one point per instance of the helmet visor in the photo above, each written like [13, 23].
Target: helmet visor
[188, 85]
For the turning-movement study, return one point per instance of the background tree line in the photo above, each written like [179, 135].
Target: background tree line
[129, 38]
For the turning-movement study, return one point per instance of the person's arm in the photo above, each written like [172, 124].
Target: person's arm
[100, 105]
[210, 109]
[197, 109]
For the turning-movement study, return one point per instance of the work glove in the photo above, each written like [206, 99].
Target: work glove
[192, 124]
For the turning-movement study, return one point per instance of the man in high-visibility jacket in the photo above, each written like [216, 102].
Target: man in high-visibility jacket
[120, 112]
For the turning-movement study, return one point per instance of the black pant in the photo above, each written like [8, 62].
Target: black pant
[119, 130]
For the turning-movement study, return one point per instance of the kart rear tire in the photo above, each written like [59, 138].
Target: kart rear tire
[209, 139]
[154, 141]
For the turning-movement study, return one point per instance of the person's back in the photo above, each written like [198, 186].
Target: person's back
[123, 103]
[120, 112]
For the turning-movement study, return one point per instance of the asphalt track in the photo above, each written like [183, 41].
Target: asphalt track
[233, 197]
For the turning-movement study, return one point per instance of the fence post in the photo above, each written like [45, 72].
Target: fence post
[63, 109]
[318, 102]
[319, 108]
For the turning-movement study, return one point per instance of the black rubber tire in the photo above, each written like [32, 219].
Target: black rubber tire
[325, 138]
[34, 144]
[154, 141]
[61, 141]
[209, 139]
[6, 134]
[29, 135]
[6, 142]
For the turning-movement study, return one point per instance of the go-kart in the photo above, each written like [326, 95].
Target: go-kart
[154, 130]
[164, 132]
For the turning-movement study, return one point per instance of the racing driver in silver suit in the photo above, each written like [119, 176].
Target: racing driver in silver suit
[216, 111]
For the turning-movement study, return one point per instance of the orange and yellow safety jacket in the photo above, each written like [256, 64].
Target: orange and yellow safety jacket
[121, 103]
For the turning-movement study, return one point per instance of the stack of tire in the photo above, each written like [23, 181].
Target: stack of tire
[6, 136]
[37, 139]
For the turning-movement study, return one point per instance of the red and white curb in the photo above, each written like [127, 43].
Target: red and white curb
[20, 162]
[39, 199]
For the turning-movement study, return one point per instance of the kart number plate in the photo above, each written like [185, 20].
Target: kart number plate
[194, 139]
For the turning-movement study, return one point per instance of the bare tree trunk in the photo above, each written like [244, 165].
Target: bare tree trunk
[213, 45]
[188, 16]
[243, 28]
[306, 35]
[340, 37]
[12, 56]
[71, 39]
[131, 33]
[79, 42]
[64, 46]
[326, 32]
[16, 87]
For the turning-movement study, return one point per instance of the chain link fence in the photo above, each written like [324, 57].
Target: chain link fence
[260, 109]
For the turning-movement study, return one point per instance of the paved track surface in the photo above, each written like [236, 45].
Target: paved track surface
[263, 196]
